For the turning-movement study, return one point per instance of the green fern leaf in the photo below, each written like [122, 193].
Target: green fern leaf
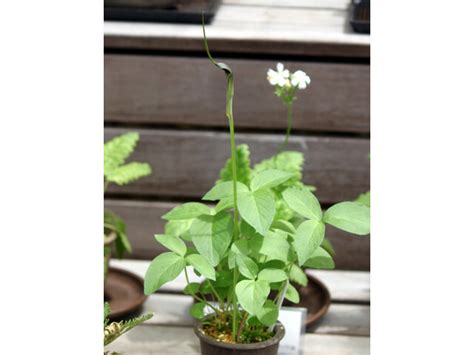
[127, 173]
[243, 166]
[118, 149]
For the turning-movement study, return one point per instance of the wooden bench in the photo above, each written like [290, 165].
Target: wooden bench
[158, 82]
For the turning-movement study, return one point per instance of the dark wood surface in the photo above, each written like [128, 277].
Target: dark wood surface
[187, 163]
[144, 221]
[190, 91]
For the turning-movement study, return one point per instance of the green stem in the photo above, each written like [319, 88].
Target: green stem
[289, 123]
[197, 297]
[228, 108]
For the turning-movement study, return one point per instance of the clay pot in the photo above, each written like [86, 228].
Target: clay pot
[210, 346]
[109, 240]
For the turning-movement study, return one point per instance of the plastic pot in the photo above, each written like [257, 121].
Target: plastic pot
[210, 346]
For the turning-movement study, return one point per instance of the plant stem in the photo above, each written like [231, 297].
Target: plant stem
[197, 297]
[241, 326]
[280, 298]
[289, 123]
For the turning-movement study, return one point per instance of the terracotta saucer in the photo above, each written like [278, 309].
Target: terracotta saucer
[315, 298]
[124, 292]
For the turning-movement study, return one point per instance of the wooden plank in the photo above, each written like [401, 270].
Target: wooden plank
[344, 286]
[143, 221]
[158, 339]
[187, 163]
[296, 28]
[189, 91]
[341, 319]
[313, 4]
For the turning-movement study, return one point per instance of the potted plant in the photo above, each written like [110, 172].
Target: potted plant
[266, 226]
[116, 171]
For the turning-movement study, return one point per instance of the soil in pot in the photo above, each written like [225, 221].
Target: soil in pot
[216, 338]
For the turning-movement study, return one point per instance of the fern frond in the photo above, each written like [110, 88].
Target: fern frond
[127, 173]
[244, 171]
[116, 329]
[118, 149]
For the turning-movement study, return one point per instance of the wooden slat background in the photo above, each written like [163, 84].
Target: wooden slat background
[190, 91]
[187, 163]
[159, 82]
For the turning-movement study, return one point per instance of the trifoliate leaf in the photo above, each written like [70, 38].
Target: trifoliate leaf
[212, 235]
[302, 201]
[197, 310]
[298, 276]
[165, 267]
[351, 217]
[269, 178]
[224, 190]
[309, 236]
[268, 313]
[187, 211]
[247, 266]
[272, 275]
[320, 259]
[252, 294]
[292, 294]
[257, 209]
[172, 243]
[202, 265]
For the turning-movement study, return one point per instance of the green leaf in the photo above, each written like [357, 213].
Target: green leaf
[269, 178]
[165, 267]
[224, 190]
[268, 314]
[284, 226]
[272, 275]
[292, 294]
[187, 211]
[125, 174]
[212, 235]
[275, 246]
[224, 278]
[257, 209]
[351, 217]
[201, 265]
[178, 227]
[118, 149]
[192, 288]
[224, 204]
[252, 294]
[364, 199]
[197, 310]
[289, 161]
[302, 201]
[309, 236]
[326, 245]
[172, 243]
[320, 259]
[247, 266]
[298, 276]
[243, 166]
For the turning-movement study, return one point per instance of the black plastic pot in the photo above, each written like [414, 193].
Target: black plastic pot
[210, 346]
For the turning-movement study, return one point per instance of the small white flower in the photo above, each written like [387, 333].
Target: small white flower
[279, 77]
[300, 79]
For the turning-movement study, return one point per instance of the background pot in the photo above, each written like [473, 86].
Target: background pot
[109, 240]
[210, 346]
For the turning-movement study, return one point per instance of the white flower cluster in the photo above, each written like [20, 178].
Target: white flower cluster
[282, 77]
